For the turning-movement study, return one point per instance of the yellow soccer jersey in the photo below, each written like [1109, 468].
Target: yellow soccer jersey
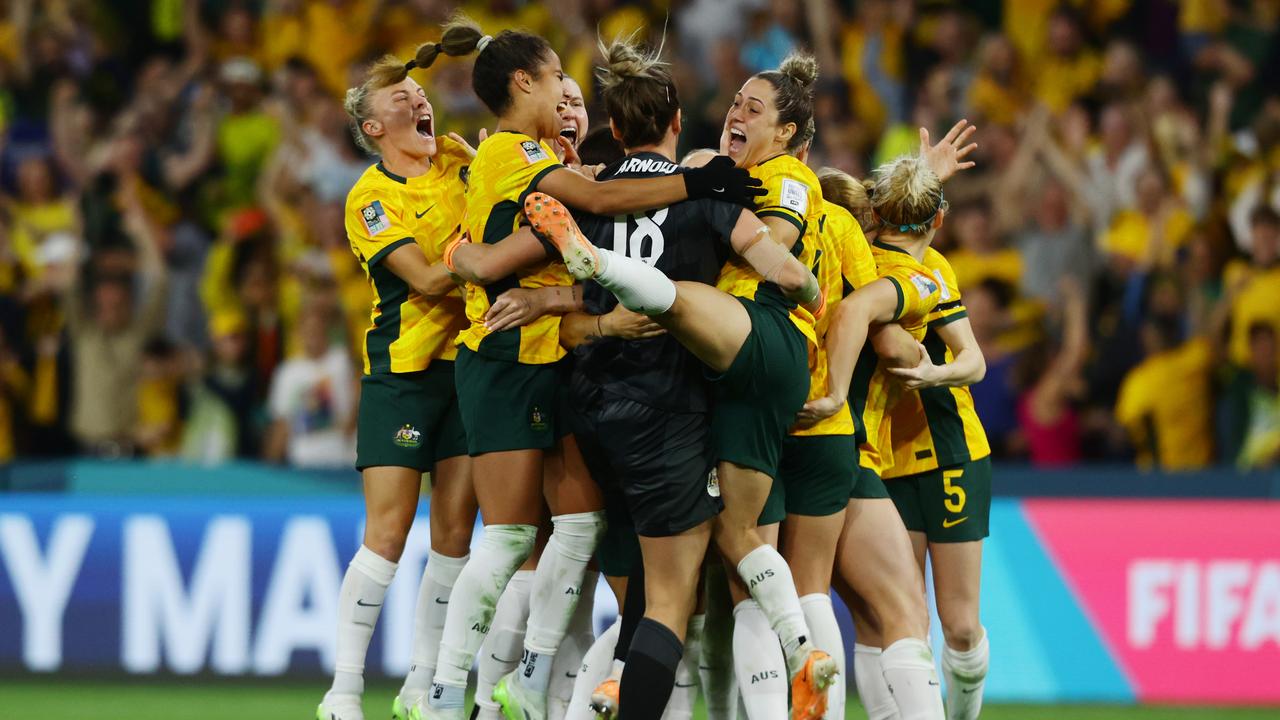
[938, 426]
[385, 211]
[872, 390]
[844, 264]
[507, 167]
[794, 194]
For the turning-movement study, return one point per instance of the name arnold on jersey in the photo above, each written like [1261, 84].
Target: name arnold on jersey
[647, 165]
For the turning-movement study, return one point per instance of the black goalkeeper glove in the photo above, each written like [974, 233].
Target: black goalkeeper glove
[720, 180]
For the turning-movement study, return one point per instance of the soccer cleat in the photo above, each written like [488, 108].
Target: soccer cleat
[516, 702]
[809, 686]
[604, 699]
[551, 219]
[422, 711]
[399, 711]
[352, 711]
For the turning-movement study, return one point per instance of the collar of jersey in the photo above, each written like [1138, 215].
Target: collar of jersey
[887, 246]
[404, 180]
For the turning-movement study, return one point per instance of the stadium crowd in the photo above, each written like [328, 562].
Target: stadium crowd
[175, 280]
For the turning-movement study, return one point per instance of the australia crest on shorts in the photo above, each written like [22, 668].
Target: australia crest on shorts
[537, 420]
[408, 436]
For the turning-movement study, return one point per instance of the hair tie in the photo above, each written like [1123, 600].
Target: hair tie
[483, 43]
[410, 65]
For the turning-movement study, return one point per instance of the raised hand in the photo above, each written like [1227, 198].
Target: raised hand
[948, 157]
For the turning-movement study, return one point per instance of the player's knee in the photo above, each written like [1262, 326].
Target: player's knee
[962, 631]
[512, 543]
[577, 534]
[386, 534]
[454, 542]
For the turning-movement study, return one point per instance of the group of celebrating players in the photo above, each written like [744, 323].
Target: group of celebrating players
[727, 385]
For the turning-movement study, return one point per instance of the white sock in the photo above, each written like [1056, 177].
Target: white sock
[428, 622]
[715, 668]
[758, 662]
[577, 640]
[557, 585]
[684, 695]
[966, 673]
[821, 618]
[500, 551]
[873, 691]
[500, 652]
[913, 680]
[596, 664]
[767, 575]
[639, 286]
[359, 602]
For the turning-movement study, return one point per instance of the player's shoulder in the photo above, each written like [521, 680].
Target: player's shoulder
[372, 181]
[789, 184]
[507, 147]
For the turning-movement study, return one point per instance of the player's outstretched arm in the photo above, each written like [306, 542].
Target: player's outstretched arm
[719, 180]
[483, 263]
[876, 302]
[895, 347]
[427, 279]
[578, 328]
[754, 241]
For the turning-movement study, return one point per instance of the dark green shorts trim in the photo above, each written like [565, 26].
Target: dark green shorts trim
[409, 419]
[758, 397]
[868, 486]
[949, 505]
[817, 473]
[509, 405]
[775, 506]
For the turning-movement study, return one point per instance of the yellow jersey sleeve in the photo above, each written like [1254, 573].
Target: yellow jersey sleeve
[918, 294]
[856, 262]
[375, 222]
[790, 192]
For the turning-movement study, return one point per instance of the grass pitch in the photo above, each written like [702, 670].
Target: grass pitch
[203, 699]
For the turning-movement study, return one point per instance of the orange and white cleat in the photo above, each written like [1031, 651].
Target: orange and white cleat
[604, 699]
[809, 686]
[551, 219]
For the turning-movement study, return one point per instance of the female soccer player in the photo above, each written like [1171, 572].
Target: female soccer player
[908, 201]
[751, 340]
[400, 216]
[510, 383]
[940, 481]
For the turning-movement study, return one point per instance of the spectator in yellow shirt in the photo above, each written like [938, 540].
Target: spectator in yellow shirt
[1070, 69]
[1254, 286]
[1165, 403]
[1153, 231]
[981, 255]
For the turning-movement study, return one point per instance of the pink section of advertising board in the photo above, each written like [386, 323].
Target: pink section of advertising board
[1186, 593]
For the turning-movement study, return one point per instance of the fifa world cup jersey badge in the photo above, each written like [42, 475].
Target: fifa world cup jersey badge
[537, 420]
[408, 437]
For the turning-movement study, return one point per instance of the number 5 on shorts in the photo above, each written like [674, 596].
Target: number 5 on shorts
[952, 491]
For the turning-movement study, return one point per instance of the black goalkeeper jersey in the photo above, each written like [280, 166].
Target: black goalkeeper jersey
[687, 241]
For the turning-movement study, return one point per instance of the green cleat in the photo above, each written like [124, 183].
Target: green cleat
[399, 711]
[516, 702]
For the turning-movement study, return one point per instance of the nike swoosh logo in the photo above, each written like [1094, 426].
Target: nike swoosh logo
[686, 686]
[441, 602]
[934, 682]
[362, 603]
[968, 691]
[717, 190]
[953, 523]
[498, 659]
[424, 212]
[570, 675]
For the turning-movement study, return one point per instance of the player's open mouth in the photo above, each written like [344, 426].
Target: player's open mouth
[425, 127]
[570, 133]
[737, 140]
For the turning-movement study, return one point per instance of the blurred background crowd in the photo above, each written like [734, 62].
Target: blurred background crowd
[175, 281]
